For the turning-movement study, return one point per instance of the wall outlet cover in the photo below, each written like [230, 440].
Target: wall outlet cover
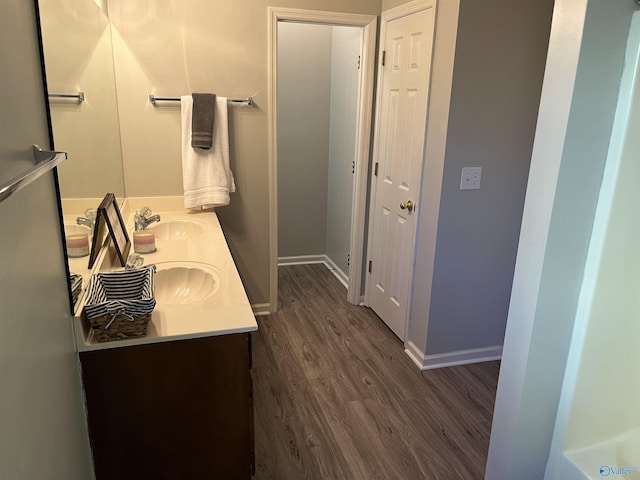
[470, 179]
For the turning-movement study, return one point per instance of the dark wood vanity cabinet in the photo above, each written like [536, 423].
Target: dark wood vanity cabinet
[171, 410]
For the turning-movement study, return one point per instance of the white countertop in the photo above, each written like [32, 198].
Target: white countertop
[227, 311]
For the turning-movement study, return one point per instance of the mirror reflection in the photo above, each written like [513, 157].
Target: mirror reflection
[78, 56]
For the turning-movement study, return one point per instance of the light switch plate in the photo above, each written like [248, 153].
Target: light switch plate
[470, 179]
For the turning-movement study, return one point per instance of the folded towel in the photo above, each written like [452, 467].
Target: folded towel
[206, 176]
[202, 120]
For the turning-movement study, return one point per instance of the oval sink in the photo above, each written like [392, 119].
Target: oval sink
[177, 229]
[73, 229]
[178, 283]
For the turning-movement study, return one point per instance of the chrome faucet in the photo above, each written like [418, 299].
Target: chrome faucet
[89, 219]
[142, 220]
[87, 222]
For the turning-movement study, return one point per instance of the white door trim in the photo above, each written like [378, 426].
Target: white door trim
[386, 17]
[363, 135]
[402, 11]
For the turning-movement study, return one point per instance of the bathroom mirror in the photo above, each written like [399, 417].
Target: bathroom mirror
[78, 56]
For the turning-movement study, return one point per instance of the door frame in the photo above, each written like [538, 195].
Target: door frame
[363, 136]
[386, 17]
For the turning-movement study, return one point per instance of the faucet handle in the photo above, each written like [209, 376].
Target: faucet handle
[91, 213]
[134, 260]
[138, 221]
[144, 212]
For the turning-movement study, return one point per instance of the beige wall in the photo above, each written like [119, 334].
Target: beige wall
[173, 47]
[388, 4]
[78, 57]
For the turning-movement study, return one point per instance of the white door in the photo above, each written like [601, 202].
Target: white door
[399, 143]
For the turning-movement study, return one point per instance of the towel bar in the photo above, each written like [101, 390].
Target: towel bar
[153, 99]
[79, 96]
[45, 161]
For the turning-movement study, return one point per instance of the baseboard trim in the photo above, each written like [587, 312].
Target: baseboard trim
[260, 309]
[339, 274]
[310, 259]
[301, 260]
[415, 354]
[451, 359]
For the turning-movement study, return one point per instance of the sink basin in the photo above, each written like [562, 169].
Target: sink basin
[177, 229]
[178, 283]
[73, 229]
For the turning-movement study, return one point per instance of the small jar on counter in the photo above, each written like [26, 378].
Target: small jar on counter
[144, 241]
[77, 245]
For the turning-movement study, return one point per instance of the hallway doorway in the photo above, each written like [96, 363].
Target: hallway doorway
[326, 196]
[318, 84]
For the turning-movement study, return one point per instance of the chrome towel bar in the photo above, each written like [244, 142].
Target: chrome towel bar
[153, 99]
[79, 96]
[45, 161]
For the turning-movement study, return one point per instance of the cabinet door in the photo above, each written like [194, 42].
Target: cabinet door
[172, 410]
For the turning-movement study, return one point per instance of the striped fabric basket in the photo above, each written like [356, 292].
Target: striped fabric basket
[119, 304]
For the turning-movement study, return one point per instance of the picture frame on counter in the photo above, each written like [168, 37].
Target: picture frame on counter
[109, 218]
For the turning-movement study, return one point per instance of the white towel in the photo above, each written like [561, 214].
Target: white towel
[206, 176]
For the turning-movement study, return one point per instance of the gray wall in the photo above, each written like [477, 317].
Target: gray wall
[304, 100]
[542, 314]
[497, 80]
[43, 433]
[317, 107]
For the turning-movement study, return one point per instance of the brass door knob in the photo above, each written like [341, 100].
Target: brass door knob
[407, 205]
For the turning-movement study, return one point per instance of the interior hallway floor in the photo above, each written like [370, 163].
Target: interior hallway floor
[337, 398]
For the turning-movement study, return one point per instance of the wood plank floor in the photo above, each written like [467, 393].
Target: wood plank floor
[337, 398]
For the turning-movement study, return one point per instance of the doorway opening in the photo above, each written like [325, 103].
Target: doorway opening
[320, 98]
[318, 82]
